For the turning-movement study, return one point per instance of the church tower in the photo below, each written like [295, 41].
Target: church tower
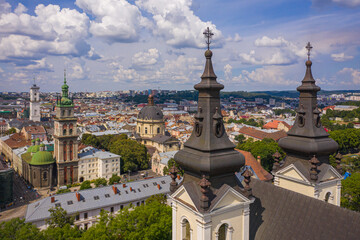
[35, 103]
[306, 168]
[65, 139]
[211, 202]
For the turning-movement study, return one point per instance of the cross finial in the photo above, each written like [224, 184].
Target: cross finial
[308, 47]
[34, 80]
[208, 35]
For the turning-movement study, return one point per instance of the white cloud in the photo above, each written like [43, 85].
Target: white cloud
[78, 72]
[177, 23]
[236, 38]
[5, 7]
[280, 57]
[20, 9]
[268, 42]
[51, 31]
[41, 64]
[340, 57]
[353, 73]
[145, 59]
[268, 76]
[115, 20]
[347, 3]
[228, 71]
[1, 70]
[123, 74]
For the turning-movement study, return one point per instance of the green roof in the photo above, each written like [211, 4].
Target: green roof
[27, 157]
[34, 148]
[42, 158]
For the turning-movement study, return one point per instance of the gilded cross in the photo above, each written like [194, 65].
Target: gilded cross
[308, 47]
[208, 35]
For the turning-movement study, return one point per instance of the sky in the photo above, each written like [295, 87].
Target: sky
[113, 45]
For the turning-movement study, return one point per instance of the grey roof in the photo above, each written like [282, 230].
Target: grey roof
[141, 190]
[166, 156]
[278, 213]
[150, 113]
[163, 138]
[91, 152]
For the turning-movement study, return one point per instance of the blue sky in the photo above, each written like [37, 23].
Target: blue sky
[141, 44]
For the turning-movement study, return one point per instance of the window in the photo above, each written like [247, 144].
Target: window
[327, 196]
[96, 197]
[57, 204]
[145, 130]
[126, 191]
[112, 209]
[85, 226]
[70, 202]
[163, 182]
[139, 129]
[158, 130]
[142, 202]
[223, 232]
[70, 131]
[85, 215]
[139, 190]
[77, 217]
[185, 229]
[154, 183]
[138, 204]
[107, 195]
[121, 207]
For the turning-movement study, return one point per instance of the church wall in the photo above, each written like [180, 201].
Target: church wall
[234, 219]
[296, 187]
[334, 188]
[182, 213]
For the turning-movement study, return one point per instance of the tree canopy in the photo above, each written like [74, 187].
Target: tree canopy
[348, 139]
[114, 179]
[85, 185]
[171, 162]
[350, 192]
[100, 182]
[264, 148]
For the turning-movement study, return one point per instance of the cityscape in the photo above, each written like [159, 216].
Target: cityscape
[139, 120]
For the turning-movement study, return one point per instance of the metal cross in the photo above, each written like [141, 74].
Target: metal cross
[208, 34]
[308, 47]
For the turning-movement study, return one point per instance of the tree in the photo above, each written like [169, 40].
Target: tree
[17, 229]
[100, 181]
[264, 148]
[348, 139]
[350, 193]
[114, 179]
[10, 131]
[171, 162]
[240, 138]
[60, 191]
[133, 154]
[59, 218]
[85, 185]
[149, 221]
[65, 232]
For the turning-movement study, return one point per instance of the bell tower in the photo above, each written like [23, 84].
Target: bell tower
[35, 103]
[65, 138]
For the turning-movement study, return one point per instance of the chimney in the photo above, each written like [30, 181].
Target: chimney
[178, 177]
[115, 189]
[78, 196]
[259, 159]
[124, 185]
[130, 189]
[158, 186]
[52, 199]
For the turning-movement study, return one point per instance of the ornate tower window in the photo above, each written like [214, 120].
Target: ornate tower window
[71, 150]
[71, 129]
[65, 155]
[64, 129]
[158, 130]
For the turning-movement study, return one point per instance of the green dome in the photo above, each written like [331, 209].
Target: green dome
[33, 149]
[33, 140]
[42, 158]
[66, 101]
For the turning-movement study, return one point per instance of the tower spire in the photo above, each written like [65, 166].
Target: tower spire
[64, 75]
[308, 137]
[209, 153]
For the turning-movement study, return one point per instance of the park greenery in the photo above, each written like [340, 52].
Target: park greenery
[348, 140]
[350, 192]
[251, 122]
[151, 221]
[328, 119]
[264, 148]
[171, 163]
[134, 155]
[279, 112]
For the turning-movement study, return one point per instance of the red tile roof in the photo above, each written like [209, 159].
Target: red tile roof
[262, 174]
[274, 124]
[252, 132]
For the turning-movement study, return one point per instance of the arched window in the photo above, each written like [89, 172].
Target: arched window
[145, 130]
[71, 150]
[185, 230]
[327, 196]
[139, 129]
[44, 175]
[64, 129]
[158, 130]
[63, 113]
[69, 112]
[65, 155]
[223, 232]
[71, 129]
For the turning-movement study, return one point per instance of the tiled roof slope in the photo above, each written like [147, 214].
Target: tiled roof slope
[261, 134]
[278, 213]
[262, 174]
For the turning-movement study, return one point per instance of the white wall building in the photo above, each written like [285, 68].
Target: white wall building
[35, 103]
[95, 163]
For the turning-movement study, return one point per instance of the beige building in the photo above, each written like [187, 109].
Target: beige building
[159, 161]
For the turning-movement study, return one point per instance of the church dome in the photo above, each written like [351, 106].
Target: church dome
[151, 112]
[34, 148]
[42, 158]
